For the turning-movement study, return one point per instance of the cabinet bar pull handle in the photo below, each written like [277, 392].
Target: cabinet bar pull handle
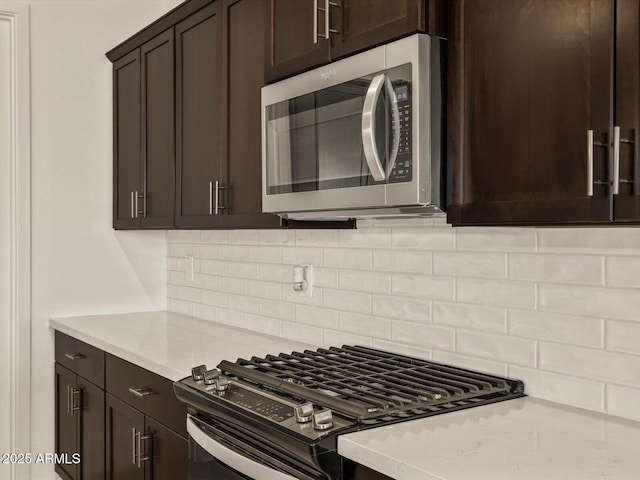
[133, 446]
[132, 207]
[211, 198]
[141, 459]
[616, 160]
[589, 163]
[315, 21]
[69, 399]
[217, 196]
[74, 356]
[142, 392]
[326, 19]
[74, 407]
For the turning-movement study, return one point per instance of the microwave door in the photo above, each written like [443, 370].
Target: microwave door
[315, 158]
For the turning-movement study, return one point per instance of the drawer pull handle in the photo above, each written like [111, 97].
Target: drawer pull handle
[142, 392]
[74, 356]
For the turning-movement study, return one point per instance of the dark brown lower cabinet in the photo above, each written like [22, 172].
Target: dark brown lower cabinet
[140, 448]
[79, 420]
[133, 429]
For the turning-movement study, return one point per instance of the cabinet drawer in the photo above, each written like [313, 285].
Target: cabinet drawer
[81, 358]
[150, 393]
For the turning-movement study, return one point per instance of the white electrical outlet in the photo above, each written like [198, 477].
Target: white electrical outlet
[303, 280]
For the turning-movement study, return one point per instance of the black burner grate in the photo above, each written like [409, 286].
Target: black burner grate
[365, 383]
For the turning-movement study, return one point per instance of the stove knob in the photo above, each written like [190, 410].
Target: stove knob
[210, 376]
[198, 372]
[222, 383]
[323, 420]
[303, 412]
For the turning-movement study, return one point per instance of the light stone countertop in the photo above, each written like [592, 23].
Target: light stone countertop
[521, 439]
[170, 344]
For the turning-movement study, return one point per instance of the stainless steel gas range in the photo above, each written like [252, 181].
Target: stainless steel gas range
[279, 417]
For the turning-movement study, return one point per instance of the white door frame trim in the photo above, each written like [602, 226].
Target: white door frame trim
[17, 15]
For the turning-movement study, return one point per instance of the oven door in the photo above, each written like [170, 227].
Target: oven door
[215, 454]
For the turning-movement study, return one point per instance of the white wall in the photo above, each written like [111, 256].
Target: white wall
[557, 308]
[80, 264]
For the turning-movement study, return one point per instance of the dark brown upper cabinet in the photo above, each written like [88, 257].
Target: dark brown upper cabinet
[304, 34]
[219, 73]
[543, 112]
[143, 135]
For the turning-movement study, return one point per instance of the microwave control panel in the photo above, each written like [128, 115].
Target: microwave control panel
[402, 170]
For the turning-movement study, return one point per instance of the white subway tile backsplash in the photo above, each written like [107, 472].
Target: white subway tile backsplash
[275, 309]
[365, 238]
[554, 307]
[275, 273]
[401, 308]
[364, 281]
[259, 288]
[400, 261]
[623, 336]
[560, 388]
[590, 240]
[302, 255]
[347, 258]
[623, 272]
[595, 364]
[436, 288]
[575, 269]
[600, 302]
[320, 317]
[243, 237]
[242, 270]
[266, 325]
[473, 317]
[347, 301]
[462, 361]
[496, 293]
[233, 285]
[265, 254]
[334, 338]
[496, 239]
[436, 238]
[277, 237]
[364, 325]
[402, 349]
[623, 401]
[214, 236]
[316, 238]
[473, 265]
[205, 250]
[496, 347]
[302, 333]
[426, 336]
[325, 277]
[568, 329]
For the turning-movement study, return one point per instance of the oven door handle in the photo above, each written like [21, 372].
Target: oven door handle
[233, 459]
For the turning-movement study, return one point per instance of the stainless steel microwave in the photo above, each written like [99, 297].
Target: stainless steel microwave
[360, 137]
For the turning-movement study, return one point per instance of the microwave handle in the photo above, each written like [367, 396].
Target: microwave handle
[369, 128]
[233, 459]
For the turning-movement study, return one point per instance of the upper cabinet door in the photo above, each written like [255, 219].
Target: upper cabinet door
[296, 37]
[198, 119]
[528, 83]
[158, 126]
[242, 80]
[362, 24]
[127, 175]
[627, 88]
